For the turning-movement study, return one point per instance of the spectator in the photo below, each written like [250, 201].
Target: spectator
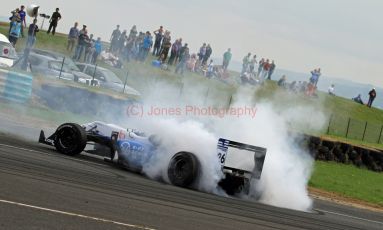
[331, 90]
[266, 69]
[82, 30]
[166, 44]
[179, 47]
[114, 39]
[184, 58]
[166, 40]
[226, 59]
[82, 43]
[146, 45]
[210, 69]
[15, 31]
[282, 81]
[271, 70]
[260, 67]
[252, 63]
[173, 52]
[192, 63]
[56, 16]
[72, 37]
[202, 52]
[15, 15]
[89, 50]
[209, 51]
[22, 15]
[158, 36]
[32, 30]
[121, 42]
[245, 63]
[358, 99]
[97, 50]
[372, 95]
[315, 74]
[133, 32]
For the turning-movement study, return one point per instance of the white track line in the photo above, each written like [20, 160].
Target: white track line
[353, 217]
[76, 215]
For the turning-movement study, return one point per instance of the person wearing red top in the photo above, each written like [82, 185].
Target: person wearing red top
[266, 68]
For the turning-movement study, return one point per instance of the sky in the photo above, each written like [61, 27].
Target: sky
[342, 37]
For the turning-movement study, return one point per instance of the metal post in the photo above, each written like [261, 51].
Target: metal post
[380, 135]
[348, 126]
[230, 100]
[365, 127]
[181, 89]
[329, 124]
[94, 73]
[62, 65]
[207, 94]
[126, 79]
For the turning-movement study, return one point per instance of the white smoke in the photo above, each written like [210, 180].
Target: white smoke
[287, 168]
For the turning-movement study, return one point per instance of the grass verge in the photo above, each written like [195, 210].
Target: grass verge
[348, 181]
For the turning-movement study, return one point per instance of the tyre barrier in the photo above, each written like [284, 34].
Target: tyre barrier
[15, 87]
[326, 150]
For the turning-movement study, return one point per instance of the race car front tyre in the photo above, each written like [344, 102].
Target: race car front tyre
[70, 139]
[183, 169]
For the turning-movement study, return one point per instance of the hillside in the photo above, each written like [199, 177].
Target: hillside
[143, 74]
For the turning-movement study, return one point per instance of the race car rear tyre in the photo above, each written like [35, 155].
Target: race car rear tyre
[70, 139]
[183, 169]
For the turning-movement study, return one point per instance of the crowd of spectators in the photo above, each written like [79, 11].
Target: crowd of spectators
[138, 45]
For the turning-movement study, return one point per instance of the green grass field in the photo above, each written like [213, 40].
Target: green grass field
[346, 180]
[349, 181]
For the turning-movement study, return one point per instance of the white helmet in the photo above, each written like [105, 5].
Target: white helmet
[33, 10]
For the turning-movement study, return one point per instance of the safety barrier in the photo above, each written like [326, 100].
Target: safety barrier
[15, 87]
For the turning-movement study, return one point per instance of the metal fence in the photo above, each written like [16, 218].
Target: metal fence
[355, 129]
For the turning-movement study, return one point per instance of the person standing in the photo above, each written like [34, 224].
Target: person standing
[22, 15]
[89, 49]
[260, 67]
[245, 63]
[72, 37]
[158, 36]
[15, 31]
[147, 44]
[82, 43]
[202, 52]
[253, 61]
[271, 70]
[209, 51]
[114, 39]
[226, 59]
[184, 58]
[97, 50]
[32, 30]
[56, 16]
[372, 95]
[266, 68]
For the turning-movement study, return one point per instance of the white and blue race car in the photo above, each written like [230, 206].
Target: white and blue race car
[132, 149]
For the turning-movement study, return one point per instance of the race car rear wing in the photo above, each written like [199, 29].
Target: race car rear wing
[240, 158]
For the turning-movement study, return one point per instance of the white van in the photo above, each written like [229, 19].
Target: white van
[7, 52]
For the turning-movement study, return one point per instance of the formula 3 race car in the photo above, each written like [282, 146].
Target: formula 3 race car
[132, 149]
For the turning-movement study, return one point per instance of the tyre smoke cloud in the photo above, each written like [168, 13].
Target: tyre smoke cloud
[287, 167]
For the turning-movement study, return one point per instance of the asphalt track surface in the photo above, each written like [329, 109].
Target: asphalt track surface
[42, 189]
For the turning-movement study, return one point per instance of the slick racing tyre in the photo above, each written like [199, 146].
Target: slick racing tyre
[183, 169]
[70, 139]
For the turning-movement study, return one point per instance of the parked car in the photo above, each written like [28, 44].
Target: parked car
[106, 78]
[53, 65]
[7, 52]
